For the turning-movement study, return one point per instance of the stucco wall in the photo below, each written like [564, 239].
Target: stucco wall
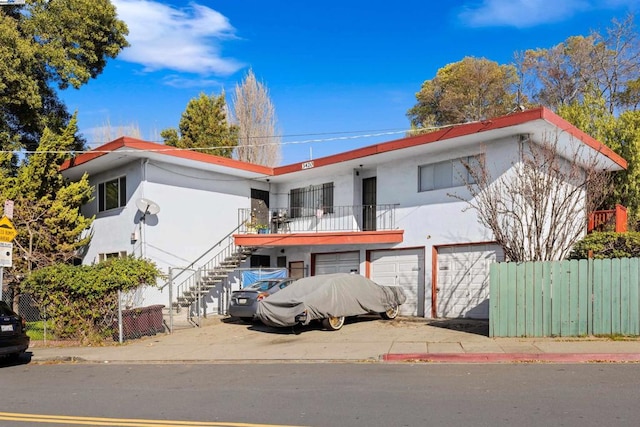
[197, 209]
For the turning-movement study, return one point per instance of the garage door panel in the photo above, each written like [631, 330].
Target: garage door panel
[404, 268]
[384, 268]
[342, 262]
[463, 280]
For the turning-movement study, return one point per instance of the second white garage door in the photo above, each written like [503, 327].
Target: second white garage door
[340, 262]
[463, 280]
[404, 268]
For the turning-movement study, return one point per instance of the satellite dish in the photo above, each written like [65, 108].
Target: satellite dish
[147, 206]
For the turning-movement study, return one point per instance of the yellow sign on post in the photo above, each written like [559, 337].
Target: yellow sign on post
[7, 230]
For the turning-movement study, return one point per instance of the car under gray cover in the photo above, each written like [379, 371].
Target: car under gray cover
[328, 296]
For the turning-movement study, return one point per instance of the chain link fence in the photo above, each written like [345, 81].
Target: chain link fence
[38, 327]
[133, 315]
[145, 311]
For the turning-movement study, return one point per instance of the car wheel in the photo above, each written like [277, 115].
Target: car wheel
[333, 323]
[391, 313]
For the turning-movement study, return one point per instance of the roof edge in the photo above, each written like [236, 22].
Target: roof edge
[600, 147]
[539, 113]
[137, 144]
[449, 132]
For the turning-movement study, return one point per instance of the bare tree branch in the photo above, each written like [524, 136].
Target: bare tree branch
[537, 210]
[256, 119]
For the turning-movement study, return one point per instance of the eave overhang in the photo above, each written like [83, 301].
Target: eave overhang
[324, 238]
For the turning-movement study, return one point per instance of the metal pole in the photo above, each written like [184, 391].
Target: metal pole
[44, 326]
[199, 294]
[170, 300]
[120, 337]
[1, 282]
[142, 236]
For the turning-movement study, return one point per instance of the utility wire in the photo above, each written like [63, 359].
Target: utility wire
[305, 141]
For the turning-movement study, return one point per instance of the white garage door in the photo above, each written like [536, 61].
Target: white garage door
[463, 280]
[404, 268]
[342, 262]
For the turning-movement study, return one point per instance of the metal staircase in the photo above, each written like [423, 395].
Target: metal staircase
[199, 279]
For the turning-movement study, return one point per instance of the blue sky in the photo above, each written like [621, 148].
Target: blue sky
[341, 74]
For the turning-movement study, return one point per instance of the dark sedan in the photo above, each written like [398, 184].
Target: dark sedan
[244, 302]
[13, 337]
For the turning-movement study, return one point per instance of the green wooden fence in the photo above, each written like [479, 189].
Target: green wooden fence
[565, 298]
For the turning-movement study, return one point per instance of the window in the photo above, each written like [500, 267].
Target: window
[447, 174]
[307, 201]
[112, 194]
[257, 261]
[106, 256]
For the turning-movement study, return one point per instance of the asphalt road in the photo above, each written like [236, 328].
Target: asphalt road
[322, 394]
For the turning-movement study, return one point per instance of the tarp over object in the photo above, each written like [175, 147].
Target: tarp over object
[328, 295]
[252, 276]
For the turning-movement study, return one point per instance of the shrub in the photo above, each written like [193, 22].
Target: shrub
[81, 301]
[608, 245]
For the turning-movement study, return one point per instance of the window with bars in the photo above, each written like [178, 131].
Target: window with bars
[307, 201]
[112, 194]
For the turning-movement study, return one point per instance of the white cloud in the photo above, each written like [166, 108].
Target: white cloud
[184, 40]
[529, 13]
[180, 82]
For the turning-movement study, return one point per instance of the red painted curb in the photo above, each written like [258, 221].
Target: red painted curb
[512, 357]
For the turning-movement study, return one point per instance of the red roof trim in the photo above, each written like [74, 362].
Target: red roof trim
[127, 142]
[453, 131]
[322, 238]
[565, 126]
[462, 130]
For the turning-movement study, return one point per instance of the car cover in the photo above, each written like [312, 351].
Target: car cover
[328, 295]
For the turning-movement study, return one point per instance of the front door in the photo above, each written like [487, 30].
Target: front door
[296, 269]
[260, 206]
[369, 202]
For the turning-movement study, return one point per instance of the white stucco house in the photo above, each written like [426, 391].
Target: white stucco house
[383, 211]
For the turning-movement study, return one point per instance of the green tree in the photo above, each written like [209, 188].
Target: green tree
[48, 45]
[47, 216]
[204, 126]
[621, 134]
[468, 90]
[608, 244]
[627, 187]
[630, 97]
[591, 115]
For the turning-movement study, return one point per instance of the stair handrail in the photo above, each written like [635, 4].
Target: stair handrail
[191, 266]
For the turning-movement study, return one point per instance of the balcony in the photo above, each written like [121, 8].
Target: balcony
[368, 224]
[608, 220]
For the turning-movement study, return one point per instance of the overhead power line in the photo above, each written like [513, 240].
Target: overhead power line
[305, 141]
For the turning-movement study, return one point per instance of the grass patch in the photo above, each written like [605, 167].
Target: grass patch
[36, 330]
[617, 337]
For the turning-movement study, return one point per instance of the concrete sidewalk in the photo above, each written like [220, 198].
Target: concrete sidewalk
[365, 339]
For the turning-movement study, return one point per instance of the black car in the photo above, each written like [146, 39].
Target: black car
[243, 303]
[13, 336]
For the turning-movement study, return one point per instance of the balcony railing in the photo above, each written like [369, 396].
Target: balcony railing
[608, 220]
[318, 220]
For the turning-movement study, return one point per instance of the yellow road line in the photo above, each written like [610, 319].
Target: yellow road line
[120, 422]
